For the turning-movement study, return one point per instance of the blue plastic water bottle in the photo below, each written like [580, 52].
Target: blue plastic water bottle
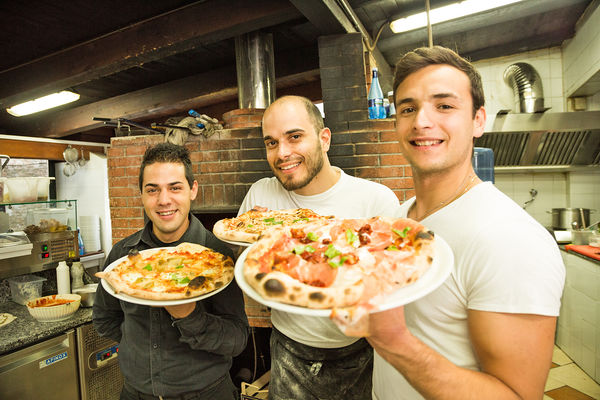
[80, 240]
[375, 98]
[483, 163]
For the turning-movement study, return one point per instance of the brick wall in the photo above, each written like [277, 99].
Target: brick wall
[227, 163]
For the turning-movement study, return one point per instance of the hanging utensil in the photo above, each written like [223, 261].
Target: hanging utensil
[70, 154]
[7, 158]
[69, 169]
[82, 161]
[583, 225]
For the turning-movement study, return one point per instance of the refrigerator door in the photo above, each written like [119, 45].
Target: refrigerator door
[99, 373]
[47, 370]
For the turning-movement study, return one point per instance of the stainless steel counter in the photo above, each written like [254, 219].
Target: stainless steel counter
[26, 330]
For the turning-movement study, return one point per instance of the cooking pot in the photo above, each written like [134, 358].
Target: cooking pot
[563, 218]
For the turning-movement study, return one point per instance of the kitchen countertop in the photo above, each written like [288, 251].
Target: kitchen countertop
[26, 330]
[562, 247]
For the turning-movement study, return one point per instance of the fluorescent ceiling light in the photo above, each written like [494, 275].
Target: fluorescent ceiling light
[43, 103]
[446, 13]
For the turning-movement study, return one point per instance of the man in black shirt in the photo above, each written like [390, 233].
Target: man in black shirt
[182, 351]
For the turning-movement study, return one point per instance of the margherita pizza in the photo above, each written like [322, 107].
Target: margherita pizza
[249, 226]
[182, 272]
[348, 265]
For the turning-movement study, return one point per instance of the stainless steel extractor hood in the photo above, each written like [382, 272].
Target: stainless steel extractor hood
[535, 139]
[544, 140]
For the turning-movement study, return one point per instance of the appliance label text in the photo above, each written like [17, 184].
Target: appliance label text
[49, 361]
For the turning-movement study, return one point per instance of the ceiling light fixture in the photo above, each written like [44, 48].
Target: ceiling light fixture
[43, 103]
[446, 13]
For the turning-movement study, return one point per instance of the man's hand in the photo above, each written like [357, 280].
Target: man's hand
[387, 329]
[181, 310]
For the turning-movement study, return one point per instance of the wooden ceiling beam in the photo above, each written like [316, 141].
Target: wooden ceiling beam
[43, 149]
[170, 98]
[164, 35]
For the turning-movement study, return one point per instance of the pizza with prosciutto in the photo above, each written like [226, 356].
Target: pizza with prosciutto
[249, 226]
[174, 273]
[347, 265]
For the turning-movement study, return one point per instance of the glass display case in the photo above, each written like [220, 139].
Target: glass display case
[47, 215]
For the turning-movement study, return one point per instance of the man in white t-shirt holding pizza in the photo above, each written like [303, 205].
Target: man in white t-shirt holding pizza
[310, 357]
[488, 331]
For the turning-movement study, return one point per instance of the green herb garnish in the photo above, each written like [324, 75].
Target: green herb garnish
[402, 233]
[148, 267]
[179, 266]
[300, 219]
[331, 252]
[299, 249]
[336, 264]
[312, 236]
[393, 248]
[351, 237]
[302, 248]
[184, 280]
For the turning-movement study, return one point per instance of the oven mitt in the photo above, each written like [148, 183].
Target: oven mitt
[6, 318]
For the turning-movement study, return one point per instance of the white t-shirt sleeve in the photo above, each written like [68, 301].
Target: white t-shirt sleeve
[524, 275]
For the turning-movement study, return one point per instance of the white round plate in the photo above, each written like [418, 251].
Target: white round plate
[440, 269]
[235, 242]
[145, 302]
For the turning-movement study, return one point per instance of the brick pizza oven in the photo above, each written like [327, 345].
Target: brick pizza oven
[228, 162]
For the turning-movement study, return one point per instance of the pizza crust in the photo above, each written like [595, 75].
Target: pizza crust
[220, 230]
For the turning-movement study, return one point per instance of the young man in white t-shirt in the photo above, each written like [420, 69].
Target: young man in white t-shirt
[488, 331]
[310, 357]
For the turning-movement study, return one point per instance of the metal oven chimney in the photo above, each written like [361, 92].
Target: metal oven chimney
[255, 70]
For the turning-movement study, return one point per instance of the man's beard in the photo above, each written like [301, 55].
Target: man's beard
[313, 164]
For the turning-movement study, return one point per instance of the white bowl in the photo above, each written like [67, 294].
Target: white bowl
[53, 313]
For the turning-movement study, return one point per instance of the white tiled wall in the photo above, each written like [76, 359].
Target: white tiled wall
[89, 186]
[593, 102]
[555, 190]
[578, 332]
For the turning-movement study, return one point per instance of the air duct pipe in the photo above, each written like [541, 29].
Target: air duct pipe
[527, 87]
[255, 69]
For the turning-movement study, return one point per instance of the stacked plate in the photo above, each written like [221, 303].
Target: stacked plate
[89, 228]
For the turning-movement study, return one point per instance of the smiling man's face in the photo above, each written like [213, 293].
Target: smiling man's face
[167, 198]
[295, 152]
[434, 119]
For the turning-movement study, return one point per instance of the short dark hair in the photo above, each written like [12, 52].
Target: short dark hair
[168, 153]
[313, 112]
[425, 56]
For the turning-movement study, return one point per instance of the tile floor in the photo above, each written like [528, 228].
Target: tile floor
[567, 381]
